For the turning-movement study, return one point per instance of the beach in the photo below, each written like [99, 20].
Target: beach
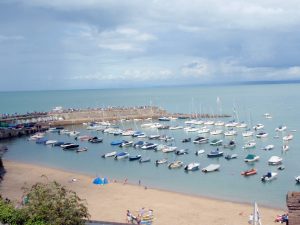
[110, 202]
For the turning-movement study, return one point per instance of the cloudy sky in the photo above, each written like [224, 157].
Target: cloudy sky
[67, 44]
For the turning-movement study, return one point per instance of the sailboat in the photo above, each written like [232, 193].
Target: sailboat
[256, 216]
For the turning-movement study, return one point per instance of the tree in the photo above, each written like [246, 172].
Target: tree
[52, 203]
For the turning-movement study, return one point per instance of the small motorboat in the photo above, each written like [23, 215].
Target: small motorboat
[219, 123]
[41, 141]
[176, 164]
[230, 133]
[297, 179]
[186, 140]
[154, 136]
[242, 125]
[50, 142]
[168, 149]
[200, 140]
[164, 118]
[143, 160]
[126, 144]
[269, 176]
[135, 157]
[288, 137]
[281, 128]
[258, 126]
[247, 133]
[231, 124]
[69, 146]
[82, 150]
[199, 152]
[166, 138]
[117, 142]
[251, 158]
[285, 148]
[149, 146]
[211, 168]
[138, 144]
[216, 142]
[249, 172]
[95, 140]
[109, 154]
[175, 127]
[268, 147]
[138, 134]
[182, 152]
[74, 133]
[209, 122]
[230, 145]
[58, 143]
[262, 135]
[191, 129]
[275, 160]
[249, 145]
[192, 166]
[122, 155]
[215, 153]
[203, 130]
[161, 161]
[233, 156]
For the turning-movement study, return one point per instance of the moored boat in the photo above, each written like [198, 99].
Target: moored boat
[69, 146]
[268, 147]
[192, 166]
[251, 158]
[249, 145]
[230, 145]
[144, 160]
[215, 153]
[182, 152]
[175, 164]
[211, 168]
[285, 147]
[216, 142]
[261, 135]
[288, 137]
[269, 176]
[200, 140]
[275, 160]
[161, 161]
[258, 126]
[109, 154]
[84, 149]
[122, 155]
[249, 172]
[199, 152]
[135, 157]
[233, 156]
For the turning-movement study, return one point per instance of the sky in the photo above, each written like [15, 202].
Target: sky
[76, 44]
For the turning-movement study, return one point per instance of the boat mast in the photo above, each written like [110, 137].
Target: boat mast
[256, 216]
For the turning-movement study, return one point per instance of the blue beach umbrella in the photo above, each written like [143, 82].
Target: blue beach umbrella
[97, 180]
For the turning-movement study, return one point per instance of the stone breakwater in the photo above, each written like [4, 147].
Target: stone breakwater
[18, 125]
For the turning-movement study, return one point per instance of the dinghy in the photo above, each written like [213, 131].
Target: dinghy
[211, 168]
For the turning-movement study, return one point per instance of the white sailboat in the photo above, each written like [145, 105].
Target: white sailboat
[256, 216]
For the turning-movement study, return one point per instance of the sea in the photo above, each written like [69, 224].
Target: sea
[246, 103]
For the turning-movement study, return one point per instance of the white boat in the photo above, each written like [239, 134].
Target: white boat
[191, 129]
[288, 137]
[269, 176]
[128, 133]
[145, 125]
[176, 164]
[230, 133]
[281, 128]
[258, 126]
[200, 140]
[268, 147]
[216, 142]
[211, 168]
[231, 124]
[168, 149]
[285, 147]
[126, 144]
[161, 161]
[122, 155]
[190, 121]
[155, 125]
[36, 136]
[199, 122]
[250, 144]
[275, 160]
[154, 136]
[233, 156]
[199, 152]
[192, 166]
[219, 123]
[109, 154]
[247, 133]
[241, 125]
[149, 146]
[262, 135]
[209, 122]
[297, 179]
[50, 142]
[203, 130]
[216, 132]
[64, 131]
[251, 158]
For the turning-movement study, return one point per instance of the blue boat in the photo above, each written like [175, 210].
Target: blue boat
[133, 158]
[118, 142]
[122, 155]
[138, 144]
[138, 133]
[215, 153]
[41, 141]
[143, 160]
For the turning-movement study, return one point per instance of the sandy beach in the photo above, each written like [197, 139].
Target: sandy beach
[110, 202]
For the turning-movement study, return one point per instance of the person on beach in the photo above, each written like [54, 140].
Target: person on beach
[250, 220]
[140, 182]
[125, 181]
[129, 217]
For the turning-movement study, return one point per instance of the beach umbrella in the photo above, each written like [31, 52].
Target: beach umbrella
[97, 180]
[105, 181]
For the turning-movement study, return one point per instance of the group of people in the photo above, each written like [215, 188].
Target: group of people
[282, 219]
[143, 216]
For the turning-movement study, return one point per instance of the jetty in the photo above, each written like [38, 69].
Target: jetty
[15, 125]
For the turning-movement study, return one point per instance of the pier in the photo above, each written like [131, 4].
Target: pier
[17, 125]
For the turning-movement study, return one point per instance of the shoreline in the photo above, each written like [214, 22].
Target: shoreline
[117, 197]
[149, 186]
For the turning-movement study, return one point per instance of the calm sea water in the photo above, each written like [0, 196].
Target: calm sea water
[249, 102]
